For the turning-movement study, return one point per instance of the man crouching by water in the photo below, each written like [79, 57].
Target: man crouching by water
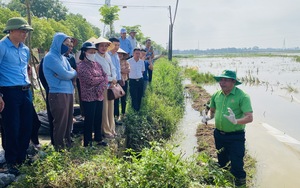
[231, 108]
[59, 75]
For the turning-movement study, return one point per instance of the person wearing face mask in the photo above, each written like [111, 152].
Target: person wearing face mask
[103, 58]
[59, 75]
[93, 82]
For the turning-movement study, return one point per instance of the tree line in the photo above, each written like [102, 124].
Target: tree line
[51, 16]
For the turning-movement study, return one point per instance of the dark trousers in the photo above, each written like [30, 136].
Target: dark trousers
[36, 124]
[92, 121]
[17, 123]
[231, 148]
[116, 107]
[61, 107]
[124, 98]
[136, 92]
[50, 118]
[150, 72]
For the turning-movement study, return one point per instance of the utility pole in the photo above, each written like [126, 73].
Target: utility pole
[107, 2]
[171, 32]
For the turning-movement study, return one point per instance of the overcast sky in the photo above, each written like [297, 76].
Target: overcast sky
[206, 24]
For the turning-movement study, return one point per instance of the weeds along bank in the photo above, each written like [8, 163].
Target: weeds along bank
[147, 163]
[162, 108]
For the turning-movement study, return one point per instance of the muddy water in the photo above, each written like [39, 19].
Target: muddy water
[274, 136]
[185, 137]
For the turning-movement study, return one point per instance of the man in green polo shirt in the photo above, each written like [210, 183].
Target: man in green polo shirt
[231, 108]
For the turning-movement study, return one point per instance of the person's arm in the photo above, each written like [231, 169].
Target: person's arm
[210, 115]
[150, 64]
[248, 118]
[61, 72]
[152, 54]
[1, 102]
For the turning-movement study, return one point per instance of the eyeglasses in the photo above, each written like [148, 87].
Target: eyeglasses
[23, 31]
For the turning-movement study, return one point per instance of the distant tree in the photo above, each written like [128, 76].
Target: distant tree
[41, 8]
[81, 29]
[97, 30]
[141, 38]
[43, 33]
[2, 4]
[5, 14]
[109, 16]
[139, 35]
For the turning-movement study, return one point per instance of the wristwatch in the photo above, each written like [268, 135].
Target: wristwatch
[1, 95]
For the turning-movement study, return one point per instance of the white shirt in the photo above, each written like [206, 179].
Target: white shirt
[136, 68]
[107, 66]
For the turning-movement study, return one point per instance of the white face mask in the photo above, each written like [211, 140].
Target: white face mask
[90, 57]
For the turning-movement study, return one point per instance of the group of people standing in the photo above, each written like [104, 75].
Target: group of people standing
[102, 64]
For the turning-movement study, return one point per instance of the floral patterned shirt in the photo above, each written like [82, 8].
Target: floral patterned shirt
[93, 81]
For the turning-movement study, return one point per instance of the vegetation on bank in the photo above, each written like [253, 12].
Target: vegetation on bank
[162, 108]
[233, 55]
[148, 161]
[199, 78]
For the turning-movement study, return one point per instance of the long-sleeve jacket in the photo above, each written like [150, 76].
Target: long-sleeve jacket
[57, 69]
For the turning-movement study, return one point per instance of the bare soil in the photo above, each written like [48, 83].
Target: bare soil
[204, 132]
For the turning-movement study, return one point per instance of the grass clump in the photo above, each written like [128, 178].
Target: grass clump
[156, 166]
[199, 78]
[162, 108]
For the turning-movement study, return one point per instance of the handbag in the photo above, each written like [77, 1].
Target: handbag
[115, 91]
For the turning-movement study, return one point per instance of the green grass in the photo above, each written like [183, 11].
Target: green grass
[148, 162]
[199, 78]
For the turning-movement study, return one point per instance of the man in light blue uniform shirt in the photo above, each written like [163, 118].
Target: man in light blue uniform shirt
[116, 62]
[125, 44]
[15, 92]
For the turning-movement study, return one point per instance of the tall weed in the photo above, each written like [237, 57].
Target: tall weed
[162, 108]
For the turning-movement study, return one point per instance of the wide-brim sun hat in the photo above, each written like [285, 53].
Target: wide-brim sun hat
[17, 23]
[228, 74]
[92, 40]
[102, 40]
[120, 50]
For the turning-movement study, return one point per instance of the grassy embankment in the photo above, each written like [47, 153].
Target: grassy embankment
[148, 161]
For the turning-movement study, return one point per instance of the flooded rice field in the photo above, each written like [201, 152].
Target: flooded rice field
[273, 138]
[273, 84]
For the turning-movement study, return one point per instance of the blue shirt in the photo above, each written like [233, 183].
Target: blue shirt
[125, 44]
[145, 73]
[116, 62]
[57, 70]
[13, 63]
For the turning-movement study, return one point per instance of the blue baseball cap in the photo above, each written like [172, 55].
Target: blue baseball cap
[123, 30]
